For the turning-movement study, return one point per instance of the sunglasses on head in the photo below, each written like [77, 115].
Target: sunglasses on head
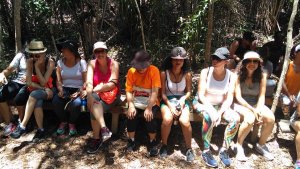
[251, 61]
[35, 56]
[99, 51]
[216, 58]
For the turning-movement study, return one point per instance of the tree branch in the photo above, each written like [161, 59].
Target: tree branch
[289, 45]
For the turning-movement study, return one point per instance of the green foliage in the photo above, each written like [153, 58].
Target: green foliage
[194, 27]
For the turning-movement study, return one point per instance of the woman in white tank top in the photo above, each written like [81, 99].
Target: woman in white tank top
[215, 96]
[176, 89]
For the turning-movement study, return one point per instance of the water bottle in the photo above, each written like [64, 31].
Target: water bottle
[83, 105]
[178, 108]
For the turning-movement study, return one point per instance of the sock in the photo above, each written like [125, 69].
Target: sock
[42, 129]
[205, 150]
[132, 139]
[222, 149]
[22, 127]
[152, 140]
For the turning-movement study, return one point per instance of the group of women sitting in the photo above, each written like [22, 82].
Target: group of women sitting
[77, 80]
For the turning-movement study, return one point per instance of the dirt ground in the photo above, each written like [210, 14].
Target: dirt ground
[54, 152]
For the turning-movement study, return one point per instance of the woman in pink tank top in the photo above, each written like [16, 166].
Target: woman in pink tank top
[102, 76]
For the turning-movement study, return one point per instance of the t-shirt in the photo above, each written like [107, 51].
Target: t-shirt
[72, 76]
[141, 84]
[19, 63]
[292, 80]
[298, 98]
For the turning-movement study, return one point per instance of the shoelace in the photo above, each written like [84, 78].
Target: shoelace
[209, 156]
[225, 155]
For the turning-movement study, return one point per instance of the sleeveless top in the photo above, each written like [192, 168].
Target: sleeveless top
[216, 90]
[99, 76]
[172, 88]
[35, 79]
[72, 76]
[292, 80]
[250, 93]
[240, 51]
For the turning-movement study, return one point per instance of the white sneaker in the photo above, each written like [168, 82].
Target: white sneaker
[240, 155]
[263, 150]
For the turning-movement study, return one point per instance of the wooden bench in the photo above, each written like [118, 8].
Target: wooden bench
[122, 109]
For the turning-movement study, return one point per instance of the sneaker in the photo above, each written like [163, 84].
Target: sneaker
[72, 130]
[93, 146]
[17, 132]
[9, 129]
[61, 128]
[224, 157]
[106, 134]
[209, 159]
[153, 150]
[189, 155]
[163, 151]
[297, 164]
[263, 150]
[240, 155]
[39, 135]
[131, 146]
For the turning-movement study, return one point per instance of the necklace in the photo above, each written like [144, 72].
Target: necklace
[176, 80]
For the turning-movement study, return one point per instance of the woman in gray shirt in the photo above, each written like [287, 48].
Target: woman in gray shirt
[250, 94]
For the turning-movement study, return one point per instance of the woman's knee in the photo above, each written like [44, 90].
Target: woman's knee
[249, 118]
[167, 121]
[268, 117]
[185, 118]
[38, 94]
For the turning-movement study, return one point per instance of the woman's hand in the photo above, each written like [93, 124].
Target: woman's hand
[83, 93]
[3, 79]
[182, 101]
[131, 112]
[258, 116]
[61, 93]
[74, 95]
[49, 93]
[172, 109]
[148, 114]
[98, 87]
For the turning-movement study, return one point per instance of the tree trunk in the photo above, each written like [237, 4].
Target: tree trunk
[209, 32]
[141, 24]
[17, 21]
[1, 38]
[289, 44]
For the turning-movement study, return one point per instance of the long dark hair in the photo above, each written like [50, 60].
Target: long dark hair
[257, 74]
[167, 64]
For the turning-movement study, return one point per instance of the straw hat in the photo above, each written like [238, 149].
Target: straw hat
[36, 47]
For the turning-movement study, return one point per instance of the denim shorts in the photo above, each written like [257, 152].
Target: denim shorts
[106, 107]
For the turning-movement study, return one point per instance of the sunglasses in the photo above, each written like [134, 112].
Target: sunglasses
[216, 58]
[35, 56]
[255, 61]
[99, 51]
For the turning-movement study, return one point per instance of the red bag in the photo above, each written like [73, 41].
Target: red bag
[109, 96]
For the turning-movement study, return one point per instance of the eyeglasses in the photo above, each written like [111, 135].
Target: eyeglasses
[255, 61]
[35, 56]
[216, 58]
[99, 51]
